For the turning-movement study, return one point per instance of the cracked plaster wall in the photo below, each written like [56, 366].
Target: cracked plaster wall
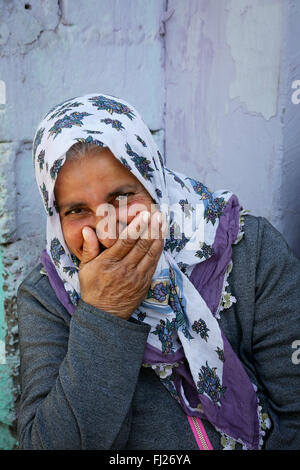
[49, 51]
[228, 102]
[211, 78]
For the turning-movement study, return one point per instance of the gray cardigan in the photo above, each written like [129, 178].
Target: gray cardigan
[82, 383]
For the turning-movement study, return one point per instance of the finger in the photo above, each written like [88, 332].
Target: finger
[151, 257]
[142, 246]
[128, 237]
[90, 245]
[154, 228]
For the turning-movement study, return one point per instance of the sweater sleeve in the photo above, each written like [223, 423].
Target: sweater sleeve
[275, 334]
[77, 380]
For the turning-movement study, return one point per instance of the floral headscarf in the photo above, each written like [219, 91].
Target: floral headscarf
[185, 346]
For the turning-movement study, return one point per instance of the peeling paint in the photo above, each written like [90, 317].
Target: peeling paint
[254, 35]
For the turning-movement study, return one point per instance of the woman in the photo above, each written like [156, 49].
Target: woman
[134, 338]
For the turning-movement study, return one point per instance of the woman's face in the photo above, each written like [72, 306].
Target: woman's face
[84, 184]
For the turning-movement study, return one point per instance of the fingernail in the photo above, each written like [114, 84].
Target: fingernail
[85, 234]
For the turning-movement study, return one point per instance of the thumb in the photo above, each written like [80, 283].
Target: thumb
[90, 247]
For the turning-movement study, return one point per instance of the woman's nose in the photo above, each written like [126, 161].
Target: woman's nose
[122, 215]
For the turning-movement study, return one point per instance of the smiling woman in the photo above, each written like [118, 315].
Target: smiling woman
[135, 338]
[78, 195]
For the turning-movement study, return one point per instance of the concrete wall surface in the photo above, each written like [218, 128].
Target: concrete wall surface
[212, 79]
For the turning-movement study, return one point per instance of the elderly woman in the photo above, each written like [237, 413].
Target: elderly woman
[162, 316]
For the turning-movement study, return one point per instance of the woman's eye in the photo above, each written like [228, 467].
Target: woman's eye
[78, 210]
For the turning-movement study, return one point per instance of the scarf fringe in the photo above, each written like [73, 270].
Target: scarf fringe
[240, 234]
[228, 442]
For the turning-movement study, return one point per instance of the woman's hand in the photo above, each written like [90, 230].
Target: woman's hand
[118, 279]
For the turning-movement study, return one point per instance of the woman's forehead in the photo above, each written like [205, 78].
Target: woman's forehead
[99, 176]
[95, 166]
